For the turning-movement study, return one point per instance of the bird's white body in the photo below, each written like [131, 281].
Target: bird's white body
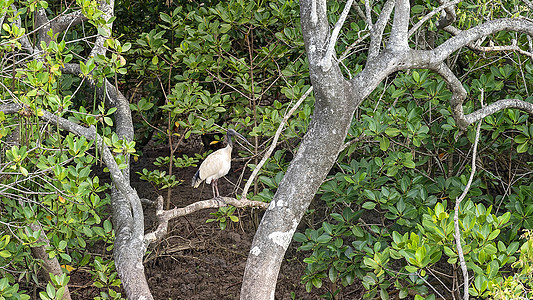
[215, 166]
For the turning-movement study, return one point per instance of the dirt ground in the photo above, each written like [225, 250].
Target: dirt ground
[198, 260]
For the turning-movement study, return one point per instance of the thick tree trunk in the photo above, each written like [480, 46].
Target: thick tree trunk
[335, 102]
[334, 107]
[129, 249]
[312, 163]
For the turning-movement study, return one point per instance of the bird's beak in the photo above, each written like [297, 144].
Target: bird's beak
[243, 138]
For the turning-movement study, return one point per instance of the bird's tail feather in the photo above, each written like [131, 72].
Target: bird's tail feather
[196, 180]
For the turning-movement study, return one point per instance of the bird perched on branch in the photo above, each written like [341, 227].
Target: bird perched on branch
[216, 164]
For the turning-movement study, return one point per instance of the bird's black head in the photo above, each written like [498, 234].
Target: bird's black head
[231, 133]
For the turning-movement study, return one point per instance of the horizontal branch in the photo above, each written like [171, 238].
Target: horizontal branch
[476, 47]
[467, 37]
[497, 106]
[164, 216]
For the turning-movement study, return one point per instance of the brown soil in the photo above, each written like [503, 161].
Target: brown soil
[198, 260]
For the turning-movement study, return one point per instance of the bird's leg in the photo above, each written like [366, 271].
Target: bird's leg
[213, 185]
[216, 188]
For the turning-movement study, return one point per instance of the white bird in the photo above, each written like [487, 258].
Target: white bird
[216, 164]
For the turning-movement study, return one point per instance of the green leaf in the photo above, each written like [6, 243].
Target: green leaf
[323, 239]
[369, 205]
[317, 282]
[409, 164]
[522, 148]
[493, 234]
[5, 254]
[392, 132]
[50, 291]
[411, 269]
[300, 237]
[384, 144]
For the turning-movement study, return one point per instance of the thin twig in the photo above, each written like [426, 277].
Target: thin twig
[274, 141]
[457, 234]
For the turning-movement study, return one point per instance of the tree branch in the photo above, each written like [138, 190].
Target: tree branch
[459, 95]
[497, 106]
[457, 234]
[437, 10]
[368, 15]
[376, 34]
[330, 49]
[400, 26]
[274, 141]
[107, 8]
[24, 41]
[448, 17]
[90, 133]
[467, 37]
[63, 22]
[164, 216]
[477, 47]
[51, 265]
[314, 14]
[529, 4]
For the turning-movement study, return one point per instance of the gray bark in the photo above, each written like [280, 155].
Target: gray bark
[50, 265]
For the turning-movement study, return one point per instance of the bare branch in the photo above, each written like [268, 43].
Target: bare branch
[107, 8]
[457, 234]
[431, 14]
[2, 17]
[448, 16]
[529, 4]
[274, 142]
[63, 22]
[164, 216]
[376, 35]
[467, 37]
[328, 57]
[368, 13]
[43, 24]
[497, 106]
[24, 40]
[459, 95]
[400, 26]
[512, 47]
[476, 45]
[51, 265]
